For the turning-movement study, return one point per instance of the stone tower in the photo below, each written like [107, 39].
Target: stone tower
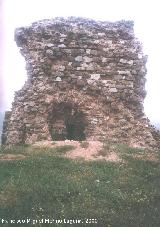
[86, 81]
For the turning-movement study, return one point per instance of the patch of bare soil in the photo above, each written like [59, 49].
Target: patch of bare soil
[88, 150]
[113, 157]
[11, 157]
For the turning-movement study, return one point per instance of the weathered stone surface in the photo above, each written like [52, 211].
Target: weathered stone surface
[85, 81]
[79, 58]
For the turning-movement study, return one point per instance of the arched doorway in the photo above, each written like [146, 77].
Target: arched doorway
[66, 121]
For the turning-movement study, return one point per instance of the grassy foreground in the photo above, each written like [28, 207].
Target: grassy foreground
[98, 193]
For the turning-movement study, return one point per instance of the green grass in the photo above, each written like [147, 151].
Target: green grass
[14, 149]
[116, 194]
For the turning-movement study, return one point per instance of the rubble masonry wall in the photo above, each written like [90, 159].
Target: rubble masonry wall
[98, 68]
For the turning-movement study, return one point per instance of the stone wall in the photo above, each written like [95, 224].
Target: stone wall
[85, 77]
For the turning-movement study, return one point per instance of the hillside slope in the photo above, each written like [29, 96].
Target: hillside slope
[41, 182]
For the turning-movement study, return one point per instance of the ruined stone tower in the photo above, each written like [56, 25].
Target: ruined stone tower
[85, 82]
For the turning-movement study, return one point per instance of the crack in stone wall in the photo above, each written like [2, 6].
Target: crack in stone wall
[99, 67]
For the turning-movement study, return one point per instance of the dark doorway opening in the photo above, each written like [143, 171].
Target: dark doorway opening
[66, 121]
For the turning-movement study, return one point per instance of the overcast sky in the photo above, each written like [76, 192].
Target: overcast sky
[145, 14]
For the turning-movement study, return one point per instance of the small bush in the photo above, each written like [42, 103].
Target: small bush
[102, 153]
[84, 144]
